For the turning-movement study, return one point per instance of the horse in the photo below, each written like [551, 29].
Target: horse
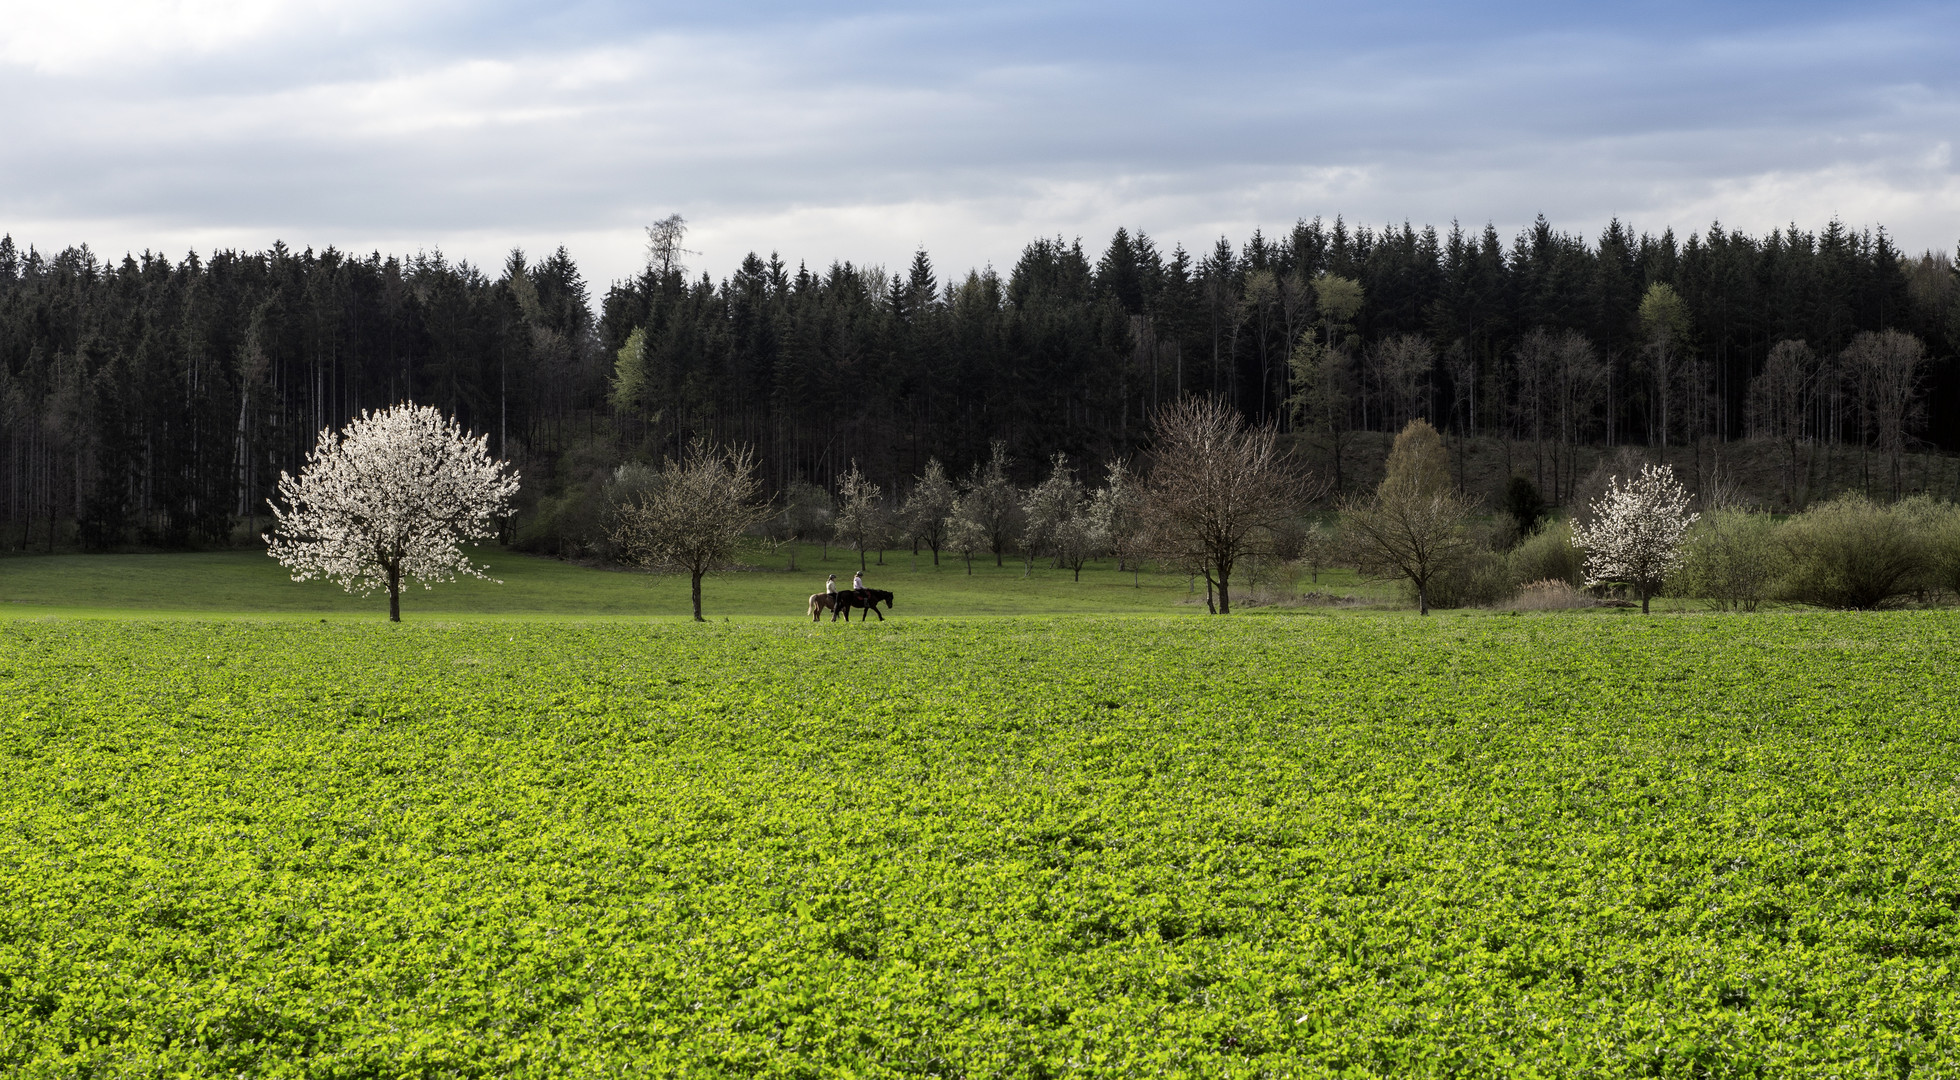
[868, 599]
[820, 603]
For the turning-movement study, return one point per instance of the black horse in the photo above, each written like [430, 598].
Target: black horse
[868, 599]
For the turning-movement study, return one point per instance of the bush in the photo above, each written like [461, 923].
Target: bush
[1480, 578]
[1548, 555]
[1732, 559]
[1855, 554]
[1551, 594]
[1941, 526]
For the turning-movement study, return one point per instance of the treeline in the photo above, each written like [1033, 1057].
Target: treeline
[157, 401]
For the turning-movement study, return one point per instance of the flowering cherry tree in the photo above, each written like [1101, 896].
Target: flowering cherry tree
[1636, 531]
[394, 495]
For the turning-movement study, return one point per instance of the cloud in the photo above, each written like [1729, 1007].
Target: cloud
[869, 132]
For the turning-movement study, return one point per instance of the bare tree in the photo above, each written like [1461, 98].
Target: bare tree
[1537, 358]
[664, 248]
[1323, 367]
[804, 515]
[394, 495]
[1665, 327]
[1414, 527]
[1887, 366]
[1579, 378]
[1779, 405]
[1215, 485]
[691, 517]
[1403, 363]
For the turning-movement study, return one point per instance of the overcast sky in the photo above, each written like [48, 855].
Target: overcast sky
[864, 131]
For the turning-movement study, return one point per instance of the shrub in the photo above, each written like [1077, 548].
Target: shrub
[1941, 526]
[1732, 559]
[1550, 594]
[1478, 577]
[1548, 554]
[1853, 553]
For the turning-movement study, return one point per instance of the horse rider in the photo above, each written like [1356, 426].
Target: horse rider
[857, 584]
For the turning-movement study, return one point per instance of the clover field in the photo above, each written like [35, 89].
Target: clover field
[1101, 846]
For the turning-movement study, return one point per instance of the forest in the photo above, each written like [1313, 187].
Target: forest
[155, 402]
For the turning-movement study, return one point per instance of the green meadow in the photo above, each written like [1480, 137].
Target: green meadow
[249, 583]
[1098, 845]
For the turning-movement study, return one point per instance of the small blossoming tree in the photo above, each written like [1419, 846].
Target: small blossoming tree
[1636, 531]
[393, 496]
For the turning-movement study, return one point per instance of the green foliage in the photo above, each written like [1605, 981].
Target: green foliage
[1477, 577]
[1548, 555]
[1113, 847]
[1732, 559]
[1418, 464]
[631, 384]
[1854, 553]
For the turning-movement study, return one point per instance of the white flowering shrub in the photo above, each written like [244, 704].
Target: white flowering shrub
[391, 497]
[1636, 531]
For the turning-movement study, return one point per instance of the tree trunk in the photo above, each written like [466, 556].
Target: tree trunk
[1422, 599]
[861, 566]
[1224, 592]
[394, 592]
[697, 597]
[1644, 592]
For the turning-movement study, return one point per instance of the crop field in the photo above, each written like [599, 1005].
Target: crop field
[1104, 846]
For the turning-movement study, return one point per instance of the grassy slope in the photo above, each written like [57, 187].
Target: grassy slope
[249, 582]
[1128, 846]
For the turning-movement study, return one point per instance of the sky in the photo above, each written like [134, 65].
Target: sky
[866, 131]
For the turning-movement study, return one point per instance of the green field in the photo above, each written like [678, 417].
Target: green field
[247, 582]
[1100, 846]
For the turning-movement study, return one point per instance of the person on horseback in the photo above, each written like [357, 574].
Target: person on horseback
[857, 584]
[831, 585]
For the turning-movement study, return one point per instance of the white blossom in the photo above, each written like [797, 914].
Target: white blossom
[1636, 531]
[393, 496]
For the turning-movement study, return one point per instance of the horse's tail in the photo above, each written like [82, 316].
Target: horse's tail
[814, 606]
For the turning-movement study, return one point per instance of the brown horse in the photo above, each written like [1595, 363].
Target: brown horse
[820, 603]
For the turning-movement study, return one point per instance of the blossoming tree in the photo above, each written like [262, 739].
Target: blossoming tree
[1636, 531]
[393, 496]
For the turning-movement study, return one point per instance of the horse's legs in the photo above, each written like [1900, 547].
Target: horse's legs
[874, 610]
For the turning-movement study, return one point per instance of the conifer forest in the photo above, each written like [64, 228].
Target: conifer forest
[152, 400]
